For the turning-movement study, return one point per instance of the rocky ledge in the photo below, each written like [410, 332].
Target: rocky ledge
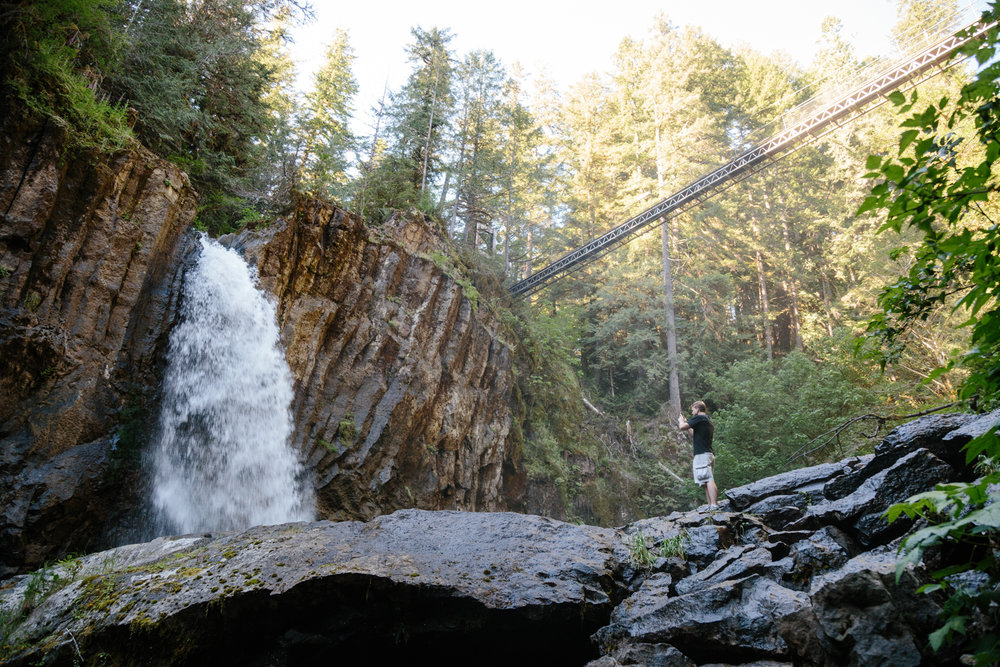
[799, 569]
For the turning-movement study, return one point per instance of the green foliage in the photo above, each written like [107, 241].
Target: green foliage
[771, 408]
[192, 71]
[324, 124]
[40, 586]
[133, 428]
[418, 114]
[643, 551]
[640, 553]
[54, 56]
[451, 268]
[673, 547]
[347, 430]
[966, 518]
[944, 188]
[32, 300]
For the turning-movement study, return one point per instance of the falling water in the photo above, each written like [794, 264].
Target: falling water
[223, 460]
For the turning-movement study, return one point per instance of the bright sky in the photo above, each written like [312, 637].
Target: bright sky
[569, 38]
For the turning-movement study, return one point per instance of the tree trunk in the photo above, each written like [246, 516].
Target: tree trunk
[506, 238]
[531, 249]
[826, 302]
[444, 194]
[765, 305]
[793, 284]
[668, 303]
[461, 167]
[427, 143]
[674, 388]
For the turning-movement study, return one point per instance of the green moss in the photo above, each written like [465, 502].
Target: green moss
[98, 593]
[32, 300]
[347, 430]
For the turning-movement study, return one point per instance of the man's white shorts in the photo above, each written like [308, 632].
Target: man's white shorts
[702, 467]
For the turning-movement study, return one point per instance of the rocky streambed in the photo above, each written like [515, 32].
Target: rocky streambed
[795, 569]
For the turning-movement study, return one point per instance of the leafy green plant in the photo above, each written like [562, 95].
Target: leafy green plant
[32, 301]
[57, 54]
[965, 515]
[944, 189]
[672, 547]
[936, 186]
[640, 551]
[347, 430]
[41, 585]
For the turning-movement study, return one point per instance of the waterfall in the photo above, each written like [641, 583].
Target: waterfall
[222, 460]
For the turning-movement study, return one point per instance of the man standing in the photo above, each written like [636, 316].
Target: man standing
[704, 457]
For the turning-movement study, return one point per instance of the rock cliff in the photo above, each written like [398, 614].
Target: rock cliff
[795, 570]
[402, 380]
[89, 249]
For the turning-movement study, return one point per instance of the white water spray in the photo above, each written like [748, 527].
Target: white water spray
[223, 460]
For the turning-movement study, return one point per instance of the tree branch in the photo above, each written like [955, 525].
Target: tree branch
[879, 420]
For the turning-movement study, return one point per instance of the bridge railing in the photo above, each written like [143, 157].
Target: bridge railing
[849, 105]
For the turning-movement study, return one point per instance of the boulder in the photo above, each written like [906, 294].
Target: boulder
[648, 655]
[727, 621]
[861, 511]
[826, 549]
[943, 435]
[869, 619]
[803, 480]
[417, 585]
[781, 510]
[973, 428]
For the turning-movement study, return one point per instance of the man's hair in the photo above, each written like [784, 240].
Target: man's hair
[699, 406]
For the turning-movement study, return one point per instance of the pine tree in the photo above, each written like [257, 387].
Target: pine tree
[191, 71]
[327, 141]
[420, 112]
[280, 147]
[480, 80]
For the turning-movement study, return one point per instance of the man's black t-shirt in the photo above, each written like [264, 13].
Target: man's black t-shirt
[703, 432]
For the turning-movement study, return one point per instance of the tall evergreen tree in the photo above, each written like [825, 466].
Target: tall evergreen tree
[191, 71]
[480, 80]
[327, 141]
[276, 176]
[420, 112]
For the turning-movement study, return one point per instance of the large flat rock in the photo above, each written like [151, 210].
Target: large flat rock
[410, 583]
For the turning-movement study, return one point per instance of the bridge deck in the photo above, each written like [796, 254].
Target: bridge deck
[847, 106]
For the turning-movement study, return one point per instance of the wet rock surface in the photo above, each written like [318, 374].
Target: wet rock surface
[414, 583]
[721, 587]
[89, 253]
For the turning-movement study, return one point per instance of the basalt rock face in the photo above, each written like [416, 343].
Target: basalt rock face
[402, 383]
[805, 573]
[812, 587]
[88, 256]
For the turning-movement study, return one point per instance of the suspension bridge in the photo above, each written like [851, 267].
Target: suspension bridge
[857, 101]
